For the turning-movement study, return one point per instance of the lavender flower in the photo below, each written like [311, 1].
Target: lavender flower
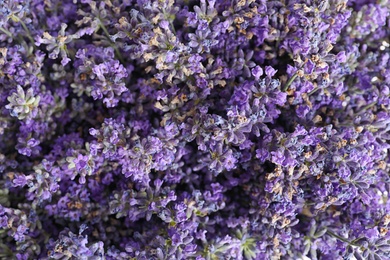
[23, 104]
[194, 129]
[57, 45]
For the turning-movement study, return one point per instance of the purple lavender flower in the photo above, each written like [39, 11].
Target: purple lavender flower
[194, 129]
[57, 45]
[23, 104]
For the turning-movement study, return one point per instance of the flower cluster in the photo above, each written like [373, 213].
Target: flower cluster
[194, 129]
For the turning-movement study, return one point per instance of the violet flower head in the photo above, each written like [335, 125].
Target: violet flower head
[57, 45]
[202, 129]
[23, 104]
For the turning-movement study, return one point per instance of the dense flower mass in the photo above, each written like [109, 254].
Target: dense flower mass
[195, 129]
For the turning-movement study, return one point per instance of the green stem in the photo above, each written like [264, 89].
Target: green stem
[341, 238]
[8, 251]
[105, 30]
[290, 81]
[345, 125]
[313, 91]
[28, 32]
[8, 33]
[118, 54]
[368, 107]
[173, 28]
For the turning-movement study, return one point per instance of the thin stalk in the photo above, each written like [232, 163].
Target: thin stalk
[345, 125]
[290, 81]
[173, 27]
[28, 32]
[368, 106]
[105, 30]
[343, 239]
[167, 17]
[313, 91]
[339, 237]
[8, 251]
[8, 33]
[112, 43]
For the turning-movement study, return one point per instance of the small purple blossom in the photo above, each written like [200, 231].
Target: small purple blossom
[23, 103]
[203, 129]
